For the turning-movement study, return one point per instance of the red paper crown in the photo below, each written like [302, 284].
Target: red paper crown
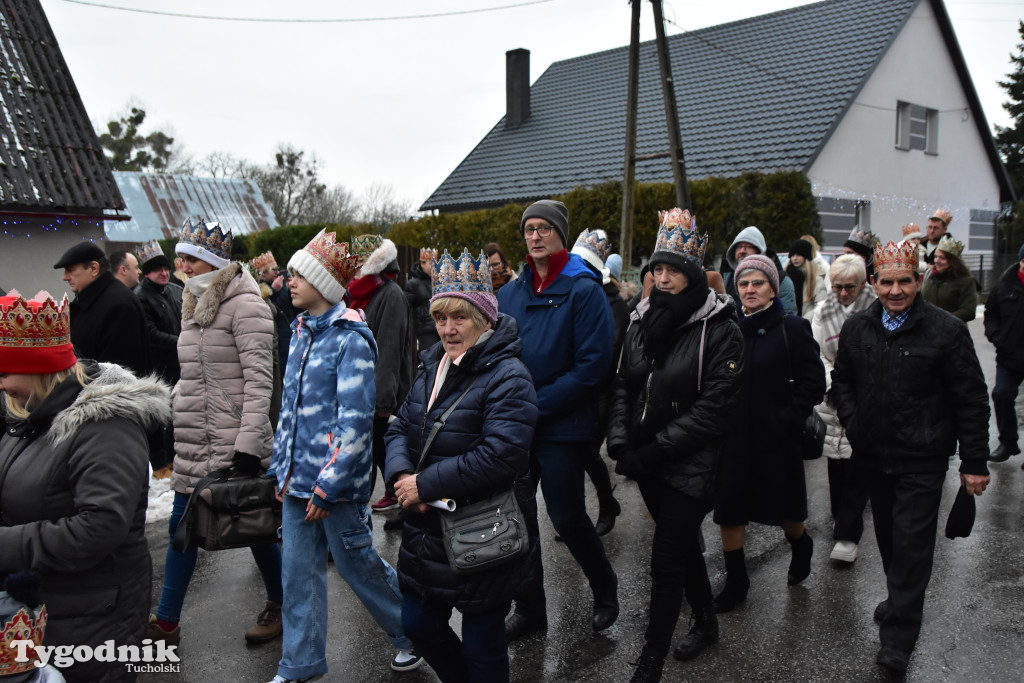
[21, 627]
[892, 256]
[333, 256]
[35, 335]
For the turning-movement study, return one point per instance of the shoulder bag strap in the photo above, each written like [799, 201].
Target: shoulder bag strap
[440, 422]
[183, 533]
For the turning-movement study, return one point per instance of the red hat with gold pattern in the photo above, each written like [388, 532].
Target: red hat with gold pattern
[35, 335]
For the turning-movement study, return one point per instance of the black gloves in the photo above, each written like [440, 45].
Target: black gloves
[642, 463]
[246, 464]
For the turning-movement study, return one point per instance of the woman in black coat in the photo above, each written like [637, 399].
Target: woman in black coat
[675, 394]
[482, 450]
[763, 480]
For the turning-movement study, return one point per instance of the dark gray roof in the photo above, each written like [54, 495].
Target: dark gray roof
[760, 94]
[50, 157]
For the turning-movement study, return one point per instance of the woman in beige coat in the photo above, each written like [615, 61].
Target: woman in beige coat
[221, 406]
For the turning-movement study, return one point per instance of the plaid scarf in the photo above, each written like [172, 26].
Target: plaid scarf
[833, 314]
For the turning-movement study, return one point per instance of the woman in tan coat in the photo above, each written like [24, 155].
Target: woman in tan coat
[221, 406]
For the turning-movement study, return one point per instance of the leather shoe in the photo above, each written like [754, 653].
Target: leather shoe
[519, 625]
[893, 660]
[881, 610]
[606, 607]
[1003, 452]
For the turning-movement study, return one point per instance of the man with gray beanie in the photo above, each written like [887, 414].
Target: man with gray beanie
[566, 328]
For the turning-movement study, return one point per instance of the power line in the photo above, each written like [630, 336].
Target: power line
[269, 20]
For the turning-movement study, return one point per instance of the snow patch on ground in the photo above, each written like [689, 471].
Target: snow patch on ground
[161, 497]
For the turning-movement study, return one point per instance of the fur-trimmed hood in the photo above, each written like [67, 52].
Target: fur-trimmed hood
[115, 393]
[225, 285]
[379, 259]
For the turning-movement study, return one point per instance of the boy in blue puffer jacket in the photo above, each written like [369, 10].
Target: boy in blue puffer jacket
[322, 459]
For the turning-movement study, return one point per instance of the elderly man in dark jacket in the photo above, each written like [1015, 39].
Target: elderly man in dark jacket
[908, 387]
[1004, 327]
[107, 322]
[566, 327]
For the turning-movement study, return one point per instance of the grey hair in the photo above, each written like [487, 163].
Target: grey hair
[848, 265]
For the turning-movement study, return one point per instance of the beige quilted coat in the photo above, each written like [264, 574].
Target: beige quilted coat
[222, 402]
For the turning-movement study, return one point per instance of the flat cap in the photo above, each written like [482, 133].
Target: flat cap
[86, 252]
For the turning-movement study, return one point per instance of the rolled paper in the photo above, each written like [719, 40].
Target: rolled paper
[446, 504]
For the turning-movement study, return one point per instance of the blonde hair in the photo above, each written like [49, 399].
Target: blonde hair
[42, 386]
[848, 265]
[815, 248]
[456, 305]
[810, 270]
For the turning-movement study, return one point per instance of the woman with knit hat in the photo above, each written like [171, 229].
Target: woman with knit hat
[673, 403]
[73, 482]
[221, 407]
[482, 450]
[808, 279]
[763, 480]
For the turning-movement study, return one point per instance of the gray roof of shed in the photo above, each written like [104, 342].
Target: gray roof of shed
[50, 158]
[760, 94]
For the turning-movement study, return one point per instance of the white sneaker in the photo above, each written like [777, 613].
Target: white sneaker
[279, 679]
[845, 551]
[406, 660]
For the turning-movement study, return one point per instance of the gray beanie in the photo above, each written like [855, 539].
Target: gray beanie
[553, 212]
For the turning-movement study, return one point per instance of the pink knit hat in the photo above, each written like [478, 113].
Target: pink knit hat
[762, 264]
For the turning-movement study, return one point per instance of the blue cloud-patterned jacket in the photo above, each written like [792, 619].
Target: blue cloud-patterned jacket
[324, 434]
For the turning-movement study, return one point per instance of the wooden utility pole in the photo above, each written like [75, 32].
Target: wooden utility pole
[668, 92]
[632, 101]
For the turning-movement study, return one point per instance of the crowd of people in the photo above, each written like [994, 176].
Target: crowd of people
[700, 386]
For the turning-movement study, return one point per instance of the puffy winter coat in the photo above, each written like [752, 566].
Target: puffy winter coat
[907, 397]
[1004, 319]
[418, 292]
[323, 437]
[958, 295]
[685, 405]
[567, 332]
[108, 325]
[222, 402]
[73, 508]
[482, 449]
[161, 305]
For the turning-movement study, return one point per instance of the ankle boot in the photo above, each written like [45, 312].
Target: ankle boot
[648, 667]
[737, 583]
[703, 632]
[800, 565]
[609, 510]
[606, 606]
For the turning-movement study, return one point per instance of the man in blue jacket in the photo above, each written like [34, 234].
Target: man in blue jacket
[566, 327]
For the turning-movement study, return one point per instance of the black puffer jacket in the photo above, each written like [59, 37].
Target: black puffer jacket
[664, 405]
[483, 448]
[417, 292]
[1004, 319]
[161, 305]
[907, 397]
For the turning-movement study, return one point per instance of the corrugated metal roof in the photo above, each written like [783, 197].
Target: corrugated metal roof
[50, 157]
[160, 202]
[760, 94]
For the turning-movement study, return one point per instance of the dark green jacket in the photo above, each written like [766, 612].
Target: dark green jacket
[958, 295]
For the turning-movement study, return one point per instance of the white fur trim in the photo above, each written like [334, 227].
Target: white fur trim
[594, 260]
[313, 271]
[379, 259]
[201, 253]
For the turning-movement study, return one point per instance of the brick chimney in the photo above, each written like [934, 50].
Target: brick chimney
[517, 87]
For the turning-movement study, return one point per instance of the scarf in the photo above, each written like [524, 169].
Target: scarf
[1020, 275]
[832, 316]
[361, 290]
[668, 312]
[556, 262]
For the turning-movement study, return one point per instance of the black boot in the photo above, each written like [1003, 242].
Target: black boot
[648, 667]
[609, 510]
[800, 565]
[606, 606]
[737, 583]
[704, 632]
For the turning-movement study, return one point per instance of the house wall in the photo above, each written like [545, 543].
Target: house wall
[30, 246]
[861, 161]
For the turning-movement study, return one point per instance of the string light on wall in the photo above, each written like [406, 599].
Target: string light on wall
[25, 227]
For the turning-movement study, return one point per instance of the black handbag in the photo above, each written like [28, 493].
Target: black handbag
[812, 436]
[481, 535]
[228, 509]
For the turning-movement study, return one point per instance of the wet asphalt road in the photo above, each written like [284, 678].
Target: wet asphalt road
[821, 630]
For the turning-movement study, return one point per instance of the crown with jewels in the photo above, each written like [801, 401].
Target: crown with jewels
[892, 256]
[20, 626]
[594, 241]
[951, 246]
[864, 237]
[465, 275]
[678, 234]
[149, 251]
[334, 256]
[362, 246]
[36, 323]
[207, 236]
[427, 253]
[264, 261]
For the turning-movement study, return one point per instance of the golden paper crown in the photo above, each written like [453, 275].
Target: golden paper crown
[364, 245]
[37, 323]
[427, 253]
[678, 234]
[596, 242]
[465, 275]
[149, 251]
[264, 261]
[943, 215]
[951, 246]
[912, 231]
[207, 236]
[334, 256]
[892, 256]
[21, 626]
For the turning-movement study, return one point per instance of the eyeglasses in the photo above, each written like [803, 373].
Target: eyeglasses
[542, 230]
[846, 288]
[756, 284]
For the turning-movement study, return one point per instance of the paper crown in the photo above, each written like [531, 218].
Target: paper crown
[333, 256]
[892, 256]
[20, 626]
[264, 261]
[148, 252]
[427, 253]
[863, 237]
[943, 215]
[912, 231]
[207, 236]
[678, 234]
[951, 246]
[35, 335]
[465, 275]
[362, 246]
[595, 242]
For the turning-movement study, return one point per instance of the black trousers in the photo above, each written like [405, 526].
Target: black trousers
[906, 511]
[848, 496]
[677, 563]
[380, 453]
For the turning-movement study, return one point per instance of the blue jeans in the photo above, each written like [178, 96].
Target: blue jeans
[560, 467]
[179, 567]
[349, 535]
[1004, 398]
[480, 657]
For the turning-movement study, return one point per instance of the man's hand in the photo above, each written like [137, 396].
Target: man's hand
[278, 283]
[975, 483]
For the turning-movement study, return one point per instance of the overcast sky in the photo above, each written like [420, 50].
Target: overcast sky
[399, 102]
